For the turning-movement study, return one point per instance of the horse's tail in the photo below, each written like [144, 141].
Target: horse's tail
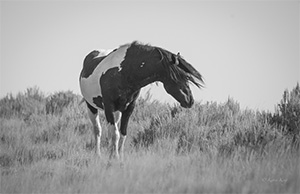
[81, 101]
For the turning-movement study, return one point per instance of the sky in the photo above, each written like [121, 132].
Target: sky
[246, 50]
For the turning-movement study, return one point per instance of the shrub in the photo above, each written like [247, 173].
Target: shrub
[287, 116]
[33, 101]
[23, 105]
[58, 101]
[31, 123]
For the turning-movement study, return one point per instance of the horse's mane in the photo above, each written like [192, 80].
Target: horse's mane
[183, 72]
[140, 45]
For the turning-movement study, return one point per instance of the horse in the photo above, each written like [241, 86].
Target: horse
[112, 80]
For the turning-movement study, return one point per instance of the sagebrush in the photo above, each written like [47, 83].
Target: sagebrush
[47, 146]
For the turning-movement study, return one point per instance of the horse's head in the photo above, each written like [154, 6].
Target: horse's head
[178, 75]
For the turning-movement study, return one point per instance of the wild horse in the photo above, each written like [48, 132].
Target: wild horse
[112, 81]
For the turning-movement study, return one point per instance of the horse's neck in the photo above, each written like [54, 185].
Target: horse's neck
[141, 81]
[148, 80]
[155, 69]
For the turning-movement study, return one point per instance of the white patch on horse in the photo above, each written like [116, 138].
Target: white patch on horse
[90, 86]
[104, 52]
[113, 60]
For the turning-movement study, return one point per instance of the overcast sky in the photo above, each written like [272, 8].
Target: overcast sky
[246, 50]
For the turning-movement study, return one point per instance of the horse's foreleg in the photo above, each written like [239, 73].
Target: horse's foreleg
[121, 146]
[123, 129]
[118, 115]
[113, 129]
[114, 152]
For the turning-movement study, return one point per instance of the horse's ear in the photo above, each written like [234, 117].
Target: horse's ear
[175, 59]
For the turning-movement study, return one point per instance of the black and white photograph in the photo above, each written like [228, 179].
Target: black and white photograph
[140, 96]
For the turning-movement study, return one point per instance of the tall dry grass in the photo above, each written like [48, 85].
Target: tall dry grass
[47, 147]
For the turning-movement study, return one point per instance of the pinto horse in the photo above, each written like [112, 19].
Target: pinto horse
[112, 81]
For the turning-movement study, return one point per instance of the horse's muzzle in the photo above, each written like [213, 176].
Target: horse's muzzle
[187, 104]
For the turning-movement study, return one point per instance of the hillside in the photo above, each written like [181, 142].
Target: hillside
[47, 146]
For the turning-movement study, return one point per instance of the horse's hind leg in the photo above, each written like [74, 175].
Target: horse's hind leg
[93, 115]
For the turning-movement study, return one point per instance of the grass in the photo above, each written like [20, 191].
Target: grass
[210, 148]
[151, 172]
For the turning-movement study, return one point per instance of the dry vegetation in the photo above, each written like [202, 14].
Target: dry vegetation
[47, 147]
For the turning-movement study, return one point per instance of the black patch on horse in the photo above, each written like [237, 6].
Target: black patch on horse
[90, 63]
[98, 101]
[92, 109]
[139, 63]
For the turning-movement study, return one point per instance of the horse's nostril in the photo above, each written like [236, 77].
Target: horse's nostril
[184, 105]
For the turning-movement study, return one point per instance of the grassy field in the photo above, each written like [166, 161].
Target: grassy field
[47, 147]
